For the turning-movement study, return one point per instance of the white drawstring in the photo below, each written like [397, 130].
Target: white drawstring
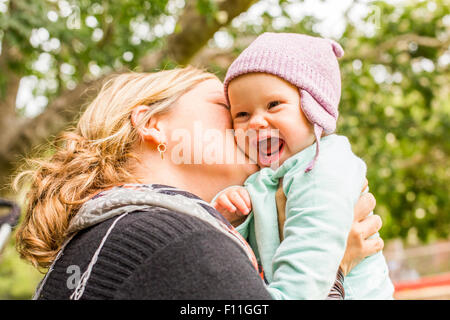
[318, 133]
[41, 285]
[79, 290]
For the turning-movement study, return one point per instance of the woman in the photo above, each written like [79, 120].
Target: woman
[120, 211]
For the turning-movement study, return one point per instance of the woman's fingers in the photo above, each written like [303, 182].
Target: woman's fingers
[358, 244]
[370, 226]
[238, 202]
[365, 205]
[372, 246]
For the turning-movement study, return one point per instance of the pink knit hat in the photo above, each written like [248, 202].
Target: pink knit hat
[307, 62]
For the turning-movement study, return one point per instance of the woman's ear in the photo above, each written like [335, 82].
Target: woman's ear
[149, 131]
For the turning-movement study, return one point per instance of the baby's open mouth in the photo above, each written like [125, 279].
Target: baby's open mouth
[269, 150]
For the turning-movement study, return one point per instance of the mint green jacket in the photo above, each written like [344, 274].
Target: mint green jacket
[319, 215]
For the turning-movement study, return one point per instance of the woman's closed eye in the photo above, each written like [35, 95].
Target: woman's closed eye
[222, 104]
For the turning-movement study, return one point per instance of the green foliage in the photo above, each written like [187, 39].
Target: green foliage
[206, 7]
[18, 279]
[395, 109]
[82, 39]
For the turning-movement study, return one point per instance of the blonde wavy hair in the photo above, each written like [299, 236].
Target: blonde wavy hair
[95, 155]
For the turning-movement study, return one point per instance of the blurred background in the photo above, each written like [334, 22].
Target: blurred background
[395, 106]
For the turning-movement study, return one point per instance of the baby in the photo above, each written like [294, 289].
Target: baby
[283, 92]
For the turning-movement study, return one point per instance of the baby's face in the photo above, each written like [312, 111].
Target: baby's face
[267, 118]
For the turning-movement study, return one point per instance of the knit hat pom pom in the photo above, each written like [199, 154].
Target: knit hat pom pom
[337, 49]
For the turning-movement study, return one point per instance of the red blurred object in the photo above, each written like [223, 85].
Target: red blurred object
[433, 281]
[430, 287]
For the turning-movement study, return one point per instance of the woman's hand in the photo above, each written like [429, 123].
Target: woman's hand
[358, 244]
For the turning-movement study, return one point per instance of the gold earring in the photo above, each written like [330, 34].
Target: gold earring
[162, 148]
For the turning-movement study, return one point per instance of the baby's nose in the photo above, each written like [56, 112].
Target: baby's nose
[258, 121]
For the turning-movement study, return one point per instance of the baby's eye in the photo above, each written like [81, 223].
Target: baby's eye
[273, 104]
[240, 115]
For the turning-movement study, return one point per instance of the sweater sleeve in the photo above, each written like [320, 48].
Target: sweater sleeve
[319, 215]
[201, 265]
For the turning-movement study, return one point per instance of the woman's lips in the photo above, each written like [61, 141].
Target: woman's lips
[269, 150]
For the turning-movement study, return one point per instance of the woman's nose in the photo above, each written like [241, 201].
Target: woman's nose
[258, 121]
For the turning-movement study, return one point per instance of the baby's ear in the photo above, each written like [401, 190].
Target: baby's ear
[337, 49]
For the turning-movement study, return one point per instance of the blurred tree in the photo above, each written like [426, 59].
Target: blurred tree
[396, 108]
[395, 102]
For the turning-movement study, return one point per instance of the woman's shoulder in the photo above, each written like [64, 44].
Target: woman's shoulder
[150, 226]
[134, 239]
[193, 260]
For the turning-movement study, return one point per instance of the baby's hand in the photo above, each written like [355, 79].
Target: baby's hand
[234, 204]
